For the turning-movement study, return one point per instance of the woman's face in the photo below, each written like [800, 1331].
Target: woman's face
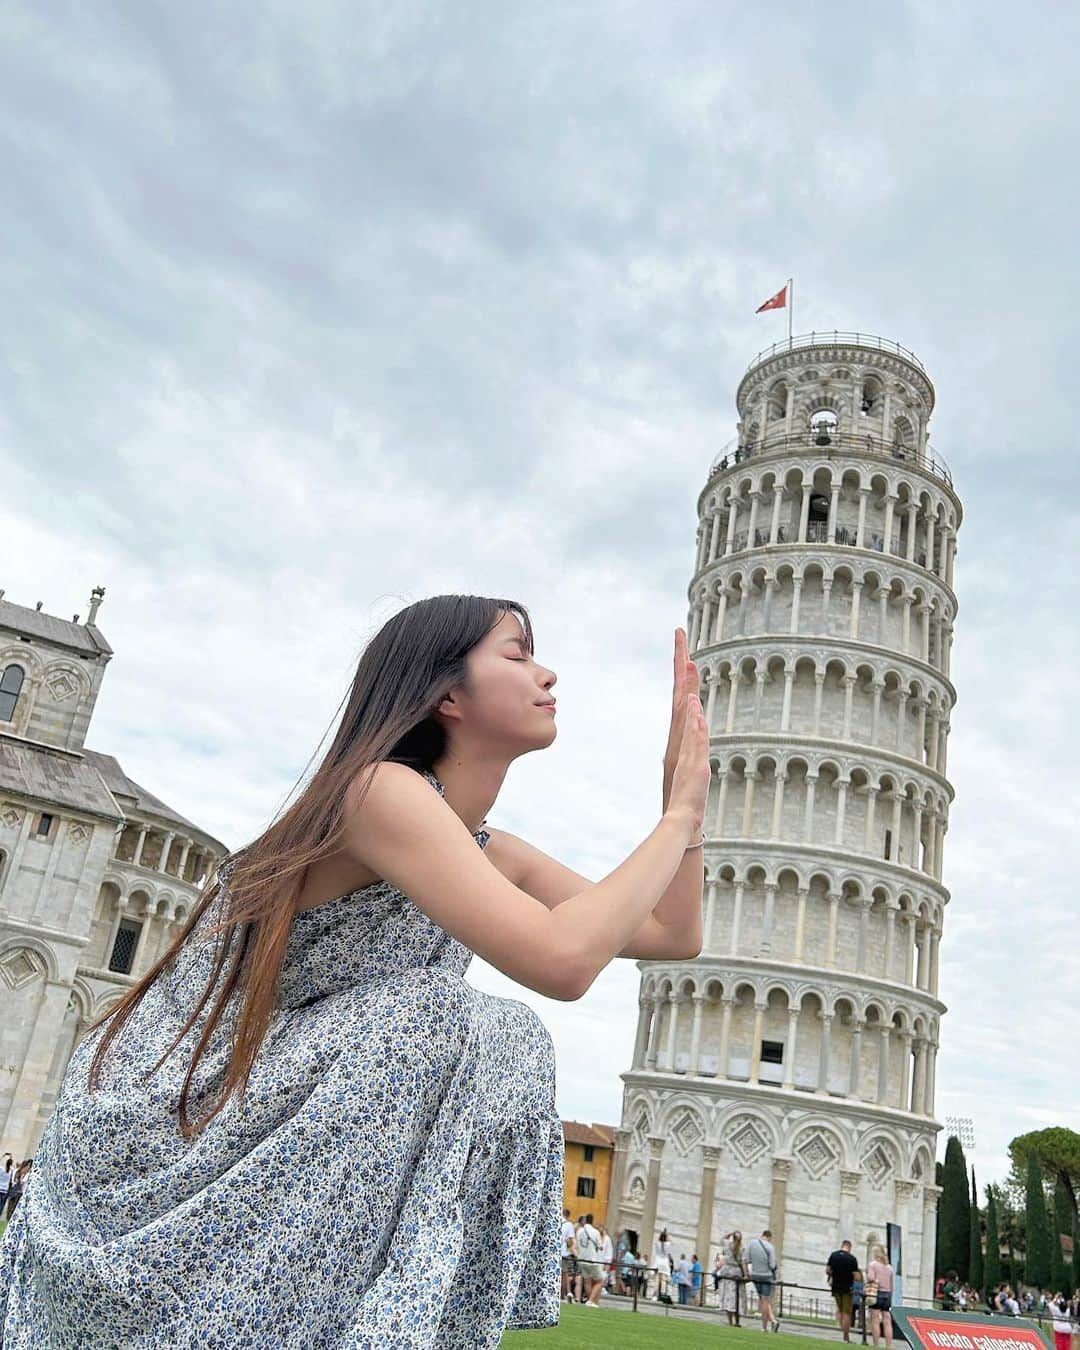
[499, 707]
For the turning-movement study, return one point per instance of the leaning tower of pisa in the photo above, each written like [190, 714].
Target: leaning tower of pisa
[785, 1077]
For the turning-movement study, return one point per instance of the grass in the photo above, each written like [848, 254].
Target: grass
[586, 1329]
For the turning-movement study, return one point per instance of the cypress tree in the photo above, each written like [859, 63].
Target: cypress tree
[992, 1264]
[954, 1232]
[1076, 1253]
[975, 1253]
[1037, 1256]
[1061, 1223]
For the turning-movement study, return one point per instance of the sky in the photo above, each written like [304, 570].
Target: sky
[311, 311]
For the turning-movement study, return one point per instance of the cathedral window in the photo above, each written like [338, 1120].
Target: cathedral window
[44, 825]
[772, 1052]
[11, 683]
[124, 945]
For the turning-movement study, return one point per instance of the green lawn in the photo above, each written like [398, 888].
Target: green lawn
[586, 1329]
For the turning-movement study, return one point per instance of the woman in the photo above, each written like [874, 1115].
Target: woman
[880, 1273]
[312, 1021]
[665, 1263]
[17, 1186]
[1058, 1308]
[732, 1275]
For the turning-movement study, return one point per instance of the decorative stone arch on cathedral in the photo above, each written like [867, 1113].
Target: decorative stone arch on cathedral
[65, 679]
[25, 958]
[747, 1135]
[817, 1146]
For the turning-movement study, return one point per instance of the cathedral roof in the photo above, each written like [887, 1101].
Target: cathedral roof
[144, 801]
[83, 637]
[54, 776]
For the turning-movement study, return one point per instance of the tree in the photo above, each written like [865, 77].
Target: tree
[992, 1264]
[1058, 1152]
[1076, 1253]
[1037, 1256]
[954, 1229]
[1061, 1223]
[975, 1252]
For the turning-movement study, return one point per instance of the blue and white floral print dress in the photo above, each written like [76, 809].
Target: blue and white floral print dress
[392, 1178]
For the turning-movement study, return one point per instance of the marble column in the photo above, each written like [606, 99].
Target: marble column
[710, 1159]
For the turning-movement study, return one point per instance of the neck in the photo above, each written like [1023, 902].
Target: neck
[471, 786]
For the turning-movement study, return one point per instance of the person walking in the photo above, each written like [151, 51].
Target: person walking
[880, 1275]
[589, 1259]
[761, 1258]
[840, 1272]
[567, 1262]
[732, 1275]
[311, 1020]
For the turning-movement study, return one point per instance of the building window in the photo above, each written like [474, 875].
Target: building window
[124, 944]
[888, 843]
[772, 1052]
[11, 683]
[589, 1149]
[586, 1186]
[44, 825]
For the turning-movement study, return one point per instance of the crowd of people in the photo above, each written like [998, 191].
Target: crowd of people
[12, 1183]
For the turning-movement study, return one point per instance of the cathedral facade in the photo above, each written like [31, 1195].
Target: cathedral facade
[96, 873]
[785, 1077]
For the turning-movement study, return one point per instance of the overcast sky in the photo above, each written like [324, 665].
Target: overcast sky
[311, 311]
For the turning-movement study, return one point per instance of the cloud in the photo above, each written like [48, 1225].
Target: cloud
[312, 312]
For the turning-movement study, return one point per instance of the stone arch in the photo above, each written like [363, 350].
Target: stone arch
[40, 949]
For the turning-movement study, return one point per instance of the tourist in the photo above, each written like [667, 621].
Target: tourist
[717, 1264]
[695, 1280]
[567, 1262]
[761, 1256]
[278, 1128]
[626, 1272]
[840, 1272]
[607, 1258]
[879, 1273]
[665, 1262]
[732, 1275]
[18, 1184]
[682, 1278]
[1058, 1308]
[592, 1268]
[7, 1176]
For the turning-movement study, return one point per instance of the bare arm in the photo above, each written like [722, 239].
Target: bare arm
[552, 882]
[408, 834]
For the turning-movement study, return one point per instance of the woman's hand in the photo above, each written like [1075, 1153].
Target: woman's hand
[686, 682]
[690, 780]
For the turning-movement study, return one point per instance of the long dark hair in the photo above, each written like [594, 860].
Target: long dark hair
[404, 673]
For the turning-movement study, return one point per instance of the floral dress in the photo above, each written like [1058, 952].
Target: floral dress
[392, 1178]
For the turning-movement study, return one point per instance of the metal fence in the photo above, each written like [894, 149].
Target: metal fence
[826, 440]
[835, 339]
[791, 1302]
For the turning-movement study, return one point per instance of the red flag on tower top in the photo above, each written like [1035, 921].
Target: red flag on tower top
[778, 301]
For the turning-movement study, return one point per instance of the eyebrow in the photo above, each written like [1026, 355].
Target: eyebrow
[519, 640]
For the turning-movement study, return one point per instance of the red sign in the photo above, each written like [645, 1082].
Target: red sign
[975, 1333]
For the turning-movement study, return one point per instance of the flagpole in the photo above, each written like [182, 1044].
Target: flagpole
[790, 307]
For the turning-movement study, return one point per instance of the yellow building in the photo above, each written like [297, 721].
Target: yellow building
[587, 1158]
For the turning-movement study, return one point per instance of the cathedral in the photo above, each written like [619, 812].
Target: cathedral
[96, 873]
[785, 1077]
